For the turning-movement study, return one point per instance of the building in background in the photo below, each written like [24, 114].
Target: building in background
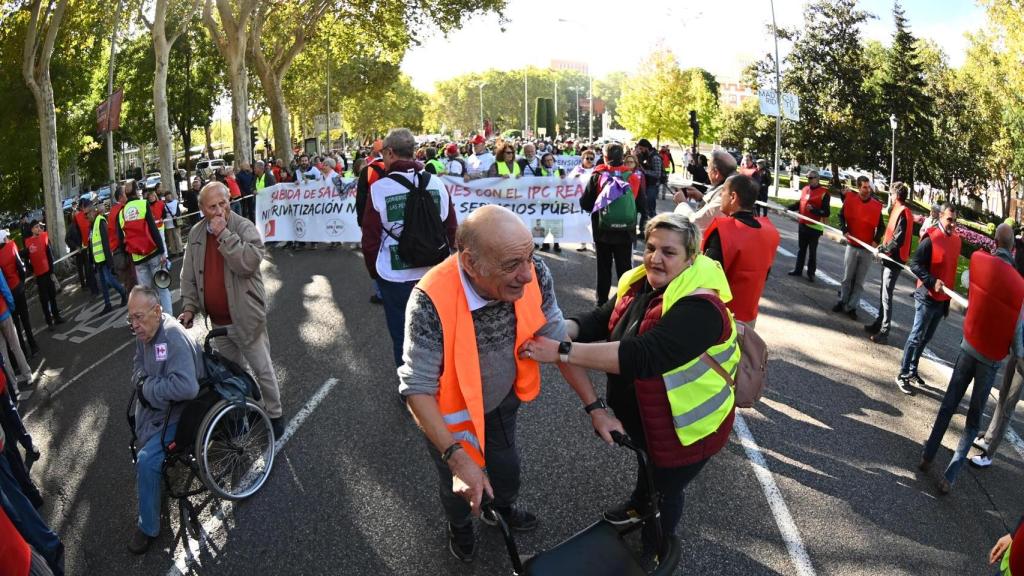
[733, 93]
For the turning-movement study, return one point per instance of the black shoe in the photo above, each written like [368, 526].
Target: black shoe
[107, 309]
[517, 519]
[545, 247]
[124, 302]
[278, 426]
[880, 338]
[33, 350]
[59, 320]
[31, 456]
[374, 299]
[944, 487]
[139, 543]
[51, 327]
[903, 382]
[918, 380]
[795, 273]
[873, 328]
[462, 541]
[852, 314]
[558, 248]
[810, 276]
[838, 307]
[924, 465]
[624, 515]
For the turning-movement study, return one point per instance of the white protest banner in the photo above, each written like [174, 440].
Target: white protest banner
[318, 212]
[567, 163]
[769, 104]
[314, 211]
[550, 207]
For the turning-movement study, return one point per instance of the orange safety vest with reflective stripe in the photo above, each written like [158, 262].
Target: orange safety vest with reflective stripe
[460, 392]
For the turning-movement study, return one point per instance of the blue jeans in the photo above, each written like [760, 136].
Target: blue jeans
[967, 368]
[145, 272]
[395, 296]
[107, 281]
[25, 518]
[148, 480]
[927, 316]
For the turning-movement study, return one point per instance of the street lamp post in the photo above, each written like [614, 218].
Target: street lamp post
[892, 169]
[481, 86]
[526, 101]
[590, 115]
[778, 99]
[577, 89]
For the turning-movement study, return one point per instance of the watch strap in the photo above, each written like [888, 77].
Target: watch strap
[450, 451]
[598, 404]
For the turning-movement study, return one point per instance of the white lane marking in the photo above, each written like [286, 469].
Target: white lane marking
[941, 365]
[51, 394]
[788, 529]
[185, 558]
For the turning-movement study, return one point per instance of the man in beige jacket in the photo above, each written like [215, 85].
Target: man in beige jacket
[221, 277]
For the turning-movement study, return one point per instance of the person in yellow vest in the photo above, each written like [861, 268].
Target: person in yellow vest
[461, 376]
[505, 166]
[263, 177]
[433, 165]
[651, 340]
[138, 232]
[103, 257]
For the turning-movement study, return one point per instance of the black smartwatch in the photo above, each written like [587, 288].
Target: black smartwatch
[598, 404]
[563, 351]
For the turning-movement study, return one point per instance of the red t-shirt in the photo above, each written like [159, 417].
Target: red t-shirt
[9, 264]
[37, 246]
[215, 291]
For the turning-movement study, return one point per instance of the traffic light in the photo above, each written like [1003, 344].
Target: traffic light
[253, 135]
[694, 124]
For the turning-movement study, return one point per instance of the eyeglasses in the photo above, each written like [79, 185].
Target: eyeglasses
[136, 318]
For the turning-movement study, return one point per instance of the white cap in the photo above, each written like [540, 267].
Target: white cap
[4, 236]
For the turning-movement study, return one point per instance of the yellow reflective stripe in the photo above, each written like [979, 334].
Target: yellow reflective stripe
[704, 409]
[699, 368]
[456, 417]
[469, 438]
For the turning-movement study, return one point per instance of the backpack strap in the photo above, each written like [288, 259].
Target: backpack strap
[712, 297]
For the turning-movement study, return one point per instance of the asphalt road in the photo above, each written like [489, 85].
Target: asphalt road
[353, 490]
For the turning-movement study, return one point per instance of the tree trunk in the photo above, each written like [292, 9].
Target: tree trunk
[278, 110]
[208, 134]
[47, 116]
[239, 110]
[165, 148]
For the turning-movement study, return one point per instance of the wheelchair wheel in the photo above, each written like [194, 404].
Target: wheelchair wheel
[235, 449]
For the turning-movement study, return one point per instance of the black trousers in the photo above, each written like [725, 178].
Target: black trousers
[22, 322]
[502, 463]
[621, 254]
[807, 240]
[48, 297]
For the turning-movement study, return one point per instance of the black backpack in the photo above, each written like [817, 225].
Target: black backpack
[424, 241]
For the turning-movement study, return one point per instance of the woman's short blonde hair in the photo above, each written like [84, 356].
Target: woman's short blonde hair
[679, 224]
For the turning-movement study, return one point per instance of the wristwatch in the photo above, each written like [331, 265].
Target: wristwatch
[598, 404]
[450, 451]
[563, 351]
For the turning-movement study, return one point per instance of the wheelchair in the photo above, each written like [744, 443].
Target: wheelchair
[224, 442]
[600, 549]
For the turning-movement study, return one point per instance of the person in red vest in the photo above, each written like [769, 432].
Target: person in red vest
[41, 258]
[13, 270]
[745, 245]
[993, 306]
[896, 245]
[860, 218]
[86, 273]
[813, 203]
[1009, 551]
[934, 264]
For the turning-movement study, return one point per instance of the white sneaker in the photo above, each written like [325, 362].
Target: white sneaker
[981, 461]
[980, 444]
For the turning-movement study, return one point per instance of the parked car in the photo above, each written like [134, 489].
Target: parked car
[205, 168]
[102, 193]
[151, 180]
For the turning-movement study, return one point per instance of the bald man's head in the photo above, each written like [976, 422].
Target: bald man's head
[1004, 236]
[214, 200]
[496, 252]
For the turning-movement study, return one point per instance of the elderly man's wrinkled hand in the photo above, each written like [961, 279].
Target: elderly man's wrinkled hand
[539, 348]
[217, 225]
[604, 424]
[469, 481]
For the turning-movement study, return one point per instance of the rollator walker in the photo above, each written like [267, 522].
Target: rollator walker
[600, 549]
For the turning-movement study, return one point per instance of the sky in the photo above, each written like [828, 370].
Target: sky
[721, 36]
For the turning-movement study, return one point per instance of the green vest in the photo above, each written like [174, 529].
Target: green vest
[1004, 566]
[503, 169]
[700, 399]
[261, 181]
[438, 166]
[553, 171]
[98, 256]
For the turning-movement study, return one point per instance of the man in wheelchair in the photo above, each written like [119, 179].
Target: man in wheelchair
[167, 368]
